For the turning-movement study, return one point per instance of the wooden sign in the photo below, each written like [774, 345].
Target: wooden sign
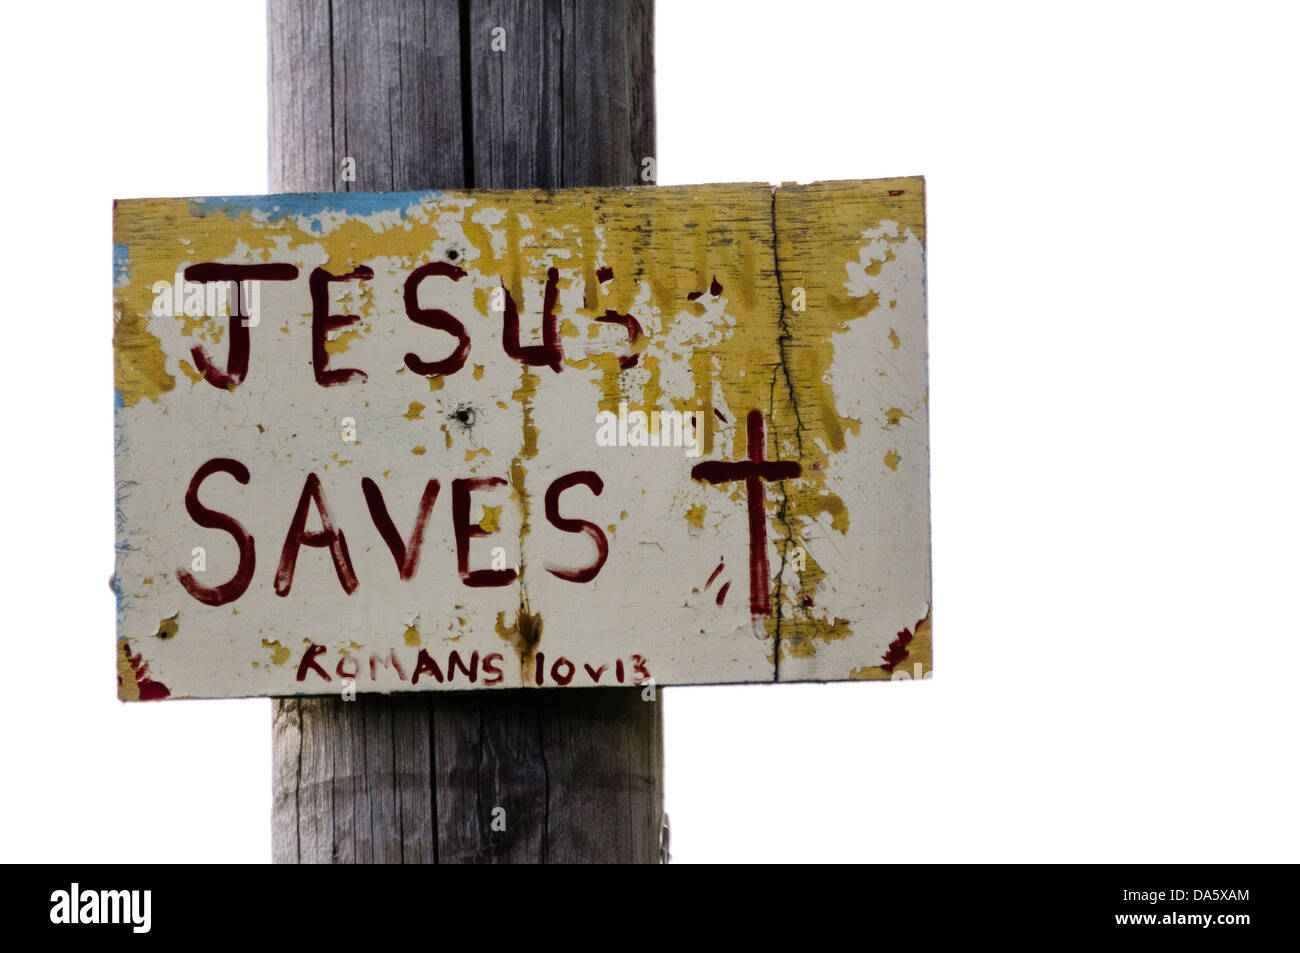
[464, 440]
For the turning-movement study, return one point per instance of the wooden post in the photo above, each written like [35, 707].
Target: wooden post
[417, 95]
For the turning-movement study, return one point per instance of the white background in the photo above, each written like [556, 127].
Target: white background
[1113, 337]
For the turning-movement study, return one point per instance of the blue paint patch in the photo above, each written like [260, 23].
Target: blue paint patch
[120, 596]
[311, 205]
[118, 403]
[121, 265]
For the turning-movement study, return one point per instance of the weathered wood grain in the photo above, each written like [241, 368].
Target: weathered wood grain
[579, 775]
[517, 116]
[608, 92]
[570, 102]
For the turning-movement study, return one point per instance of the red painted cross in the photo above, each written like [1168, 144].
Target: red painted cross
[753, 471]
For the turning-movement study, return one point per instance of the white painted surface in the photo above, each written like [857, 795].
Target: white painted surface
[652, 612]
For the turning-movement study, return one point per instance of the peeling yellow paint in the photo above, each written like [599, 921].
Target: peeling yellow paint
[894, 417]
[338, 345]
[140, 369]
[891, 459]
[419, 450]
[920, 651]
[878, 263]
[525, 636]
[523, 396]
[817, 226]
[415, 410]
[839, 513]
[802, 645]
[128, 686]
[491, 521]
[412, 636]
[279, 653]
[893, 335]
